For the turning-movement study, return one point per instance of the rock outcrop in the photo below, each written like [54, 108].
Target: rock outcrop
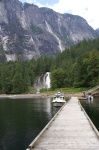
[27, 31]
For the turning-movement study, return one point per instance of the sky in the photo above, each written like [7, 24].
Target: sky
[88, 9]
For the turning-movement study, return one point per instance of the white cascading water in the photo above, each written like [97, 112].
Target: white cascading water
[47, 80]
[59, 41]
[43, 82]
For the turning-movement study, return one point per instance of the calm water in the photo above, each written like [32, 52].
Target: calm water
[93, 111]
[21, 120]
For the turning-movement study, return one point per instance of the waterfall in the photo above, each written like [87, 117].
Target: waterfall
[43, 82]
[47, 80]
[59, 41]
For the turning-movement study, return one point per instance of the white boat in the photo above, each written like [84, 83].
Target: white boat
[58, 99]
[90, 98]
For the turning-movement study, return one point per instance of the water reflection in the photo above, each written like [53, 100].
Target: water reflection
[21, 120]
[92, 110]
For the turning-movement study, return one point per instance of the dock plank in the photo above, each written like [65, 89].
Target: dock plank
[70, 130]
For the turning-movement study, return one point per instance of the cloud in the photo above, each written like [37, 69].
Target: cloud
[88, 9]
[36, 2]
[30, 1]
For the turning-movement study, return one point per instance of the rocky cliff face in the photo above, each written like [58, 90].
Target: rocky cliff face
[27, 31]
[97, 30]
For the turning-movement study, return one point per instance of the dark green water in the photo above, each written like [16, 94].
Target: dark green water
[21, 120]
[92, 110]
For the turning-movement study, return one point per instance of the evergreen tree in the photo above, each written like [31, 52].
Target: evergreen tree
[57, 78]
[18, 82]
[26, 79]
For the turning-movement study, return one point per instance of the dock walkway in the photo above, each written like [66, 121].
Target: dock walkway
[71, 130]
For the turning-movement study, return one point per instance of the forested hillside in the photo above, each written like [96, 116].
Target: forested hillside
[77, 66]
[17, 77]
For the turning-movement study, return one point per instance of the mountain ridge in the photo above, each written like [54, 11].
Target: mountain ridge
[27, 31]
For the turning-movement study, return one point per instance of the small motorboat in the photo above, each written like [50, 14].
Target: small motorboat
[58, 100]
[90, 98]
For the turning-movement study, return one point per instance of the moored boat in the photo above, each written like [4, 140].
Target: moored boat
[58, 100]
[90, 98]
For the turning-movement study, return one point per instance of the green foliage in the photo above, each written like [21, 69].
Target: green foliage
[57, 78]
[81, 65]
[18, 77]
[36, 29]
[18, 85]
[77, 66]
[31, 90]
[88, 69]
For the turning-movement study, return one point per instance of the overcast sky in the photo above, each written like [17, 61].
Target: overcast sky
[88, 9]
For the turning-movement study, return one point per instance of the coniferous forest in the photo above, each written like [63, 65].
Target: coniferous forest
[77, 66]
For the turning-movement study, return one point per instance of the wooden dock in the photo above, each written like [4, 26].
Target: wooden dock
[70, 129]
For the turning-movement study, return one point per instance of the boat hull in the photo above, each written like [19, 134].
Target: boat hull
[58, 104]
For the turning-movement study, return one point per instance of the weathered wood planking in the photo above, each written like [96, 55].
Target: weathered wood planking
[70, 130]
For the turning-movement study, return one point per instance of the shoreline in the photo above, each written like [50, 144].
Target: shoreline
[17, 96]
[38, 95]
